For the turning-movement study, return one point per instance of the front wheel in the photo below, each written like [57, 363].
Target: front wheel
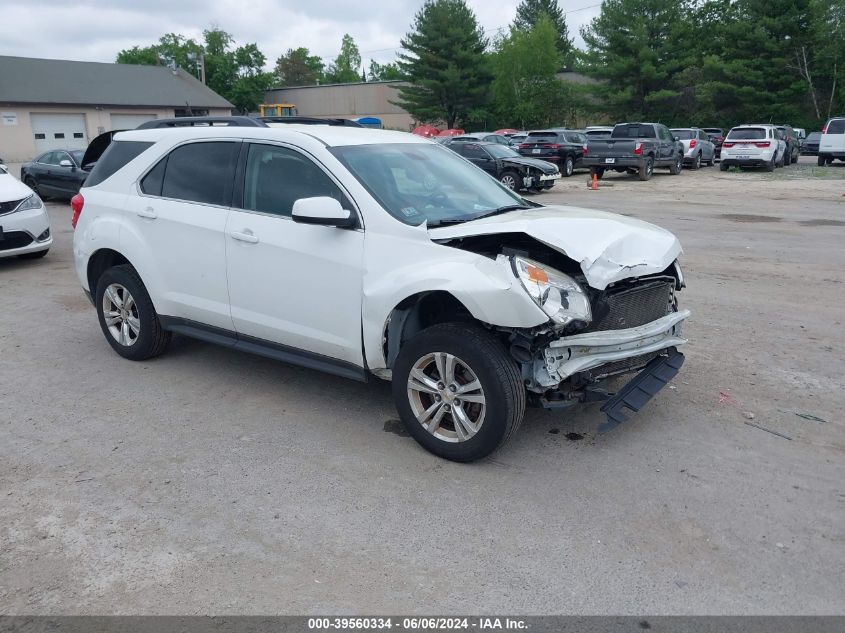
[127, 316]
[458, 391]
[510, 179]
[568, 166]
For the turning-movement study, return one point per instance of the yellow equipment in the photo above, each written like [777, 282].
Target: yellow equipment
[277, 109]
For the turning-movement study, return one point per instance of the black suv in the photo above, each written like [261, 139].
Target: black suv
[564, 147]
[508, 167]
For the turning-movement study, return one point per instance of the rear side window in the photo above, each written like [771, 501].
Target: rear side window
[118, 154]
[836, 126]
[633, 130]
[201, 172]
[747, 134]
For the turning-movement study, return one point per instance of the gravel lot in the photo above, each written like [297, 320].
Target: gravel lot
[211, 481]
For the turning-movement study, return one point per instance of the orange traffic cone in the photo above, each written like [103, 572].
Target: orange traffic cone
[595, 185]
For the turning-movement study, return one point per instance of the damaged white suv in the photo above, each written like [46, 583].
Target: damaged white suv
[366, 252]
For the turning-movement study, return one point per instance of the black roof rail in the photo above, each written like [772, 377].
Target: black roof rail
[309, 120]
[202, 121]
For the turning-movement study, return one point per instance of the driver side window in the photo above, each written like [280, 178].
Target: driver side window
[276, 177]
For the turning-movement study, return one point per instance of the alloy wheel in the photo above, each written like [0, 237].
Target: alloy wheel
[509, 181]
[121, 315]
[446, 397]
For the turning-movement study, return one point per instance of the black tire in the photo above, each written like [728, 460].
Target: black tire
[723, 166]
[678, 167]
[152, 339]
[35, 255]
[795, 156]
[696, 164]
[598, 171]
[510, 176]
[780, 162]
[770, 166]
[500, 379]
[821, 161]
[646, 169]
[568, 167]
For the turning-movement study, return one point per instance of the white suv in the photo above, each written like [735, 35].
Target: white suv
[373, 253]
[832, 143]
[753, 146]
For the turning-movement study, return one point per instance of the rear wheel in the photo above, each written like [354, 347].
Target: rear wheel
[510, 179]
[568, 166]
[723, 166]
[458, 391]
[822, 161]
[770, 166]
[646, 169]
[127, 316]
[696, 164]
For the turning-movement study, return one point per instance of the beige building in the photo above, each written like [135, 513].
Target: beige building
[347, 101]
[50, 104]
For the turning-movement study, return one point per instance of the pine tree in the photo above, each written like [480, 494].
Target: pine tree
[445, 64]
[529, 12]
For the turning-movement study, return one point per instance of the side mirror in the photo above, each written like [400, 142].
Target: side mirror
[65, 163]
[322, 210]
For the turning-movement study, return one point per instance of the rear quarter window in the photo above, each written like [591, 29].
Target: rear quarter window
[836, 126]
[116, 156]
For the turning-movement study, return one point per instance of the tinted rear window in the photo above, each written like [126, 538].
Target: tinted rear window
[541, 137]
[633, 130]
[575, 137]
[836, 126]
[747, 133]
[118, 154]
[714, 130]
[684, 135]
[201, 172]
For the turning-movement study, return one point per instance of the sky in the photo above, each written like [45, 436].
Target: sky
[95, 30]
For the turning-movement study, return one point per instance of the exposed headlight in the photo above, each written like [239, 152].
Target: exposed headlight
[558, 295]
[33, 202]
[681, 282]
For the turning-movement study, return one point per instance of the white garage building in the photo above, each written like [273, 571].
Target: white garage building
[57, 104]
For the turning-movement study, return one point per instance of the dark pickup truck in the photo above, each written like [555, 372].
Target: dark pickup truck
[636, 148]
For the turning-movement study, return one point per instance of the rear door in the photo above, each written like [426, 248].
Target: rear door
[181, 215]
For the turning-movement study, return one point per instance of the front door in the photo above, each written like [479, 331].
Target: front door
[295, 285]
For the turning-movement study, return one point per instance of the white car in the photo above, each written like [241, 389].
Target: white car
[24, 223]
[832, 143]
[753, 146]
[367, 253]
[698, 148]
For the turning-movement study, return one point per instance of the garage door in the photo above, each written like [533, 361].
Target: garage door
[129, 121]
[58, 131]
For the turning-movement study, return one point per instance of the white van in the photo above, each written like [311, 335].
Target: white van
[832, 144]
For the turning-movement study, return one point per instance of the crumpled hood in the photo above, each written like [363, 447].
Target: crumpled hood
[609, 247]
[12, 189]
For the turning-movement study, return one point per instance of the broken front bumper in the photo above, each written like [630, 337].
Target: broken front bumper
[581, 352]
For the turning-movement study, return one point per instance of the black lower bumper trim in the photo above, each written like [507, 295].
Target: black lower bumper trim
[642, 388]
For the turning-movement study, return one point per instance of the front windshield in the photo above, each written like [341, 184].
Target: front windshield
[503, 151]
[418, 182]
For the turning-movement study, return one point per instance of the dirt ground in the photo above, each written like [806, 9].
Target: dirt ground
[211, 481]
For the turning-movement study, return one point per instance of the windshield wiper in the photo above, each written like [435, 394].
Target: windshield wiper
[486, 214]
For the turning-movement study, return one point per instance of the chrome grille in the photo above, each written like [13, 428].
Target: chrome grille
[11, 205]
[635, 306]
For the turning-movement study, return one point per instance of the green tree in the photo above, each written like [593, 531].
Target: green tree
[346, 67]
[383, 72]
[637, 48]
[529, 12]
[527, 92]
[444, 61]
[235, 73]
[298, 67]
